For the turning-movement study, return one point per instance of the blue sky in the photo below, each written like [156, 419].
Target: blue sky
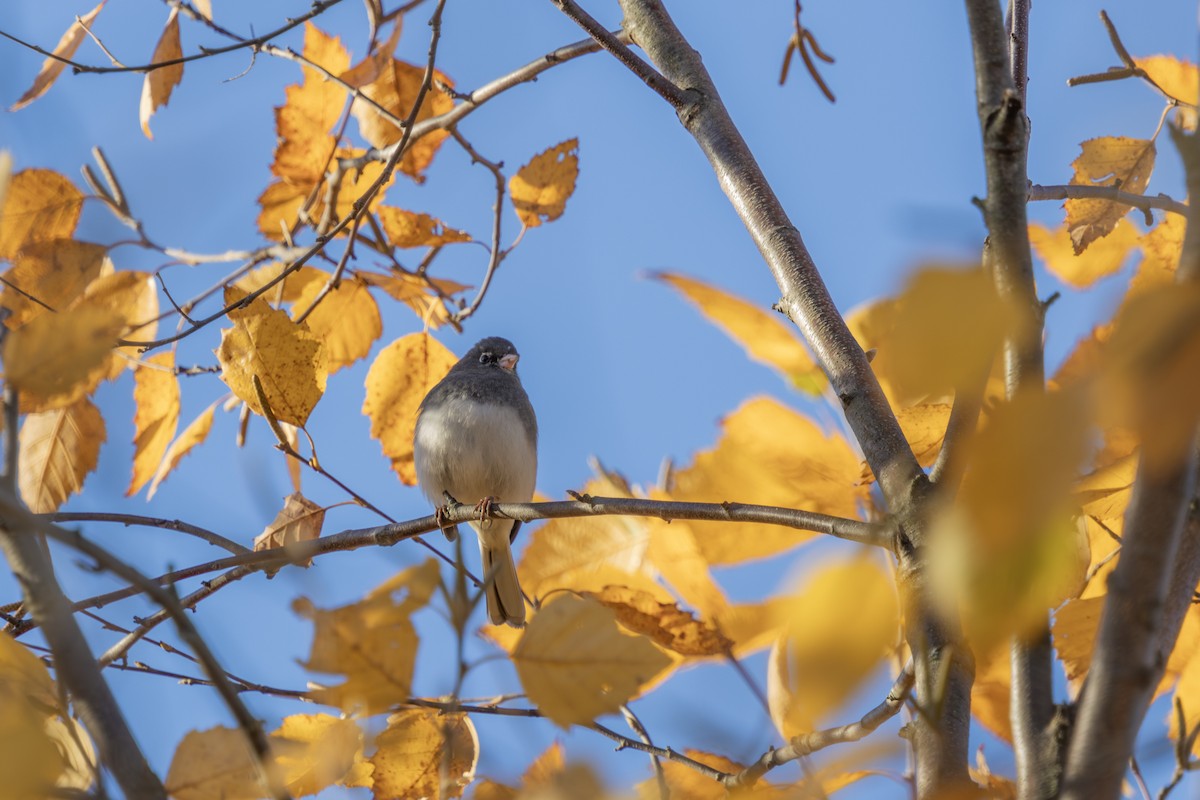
[617, 366]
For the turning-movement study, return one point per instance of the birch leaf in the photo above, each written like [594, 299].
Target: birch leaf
[158, 83]
[156, 419]
[59, 449]
[193, 435]
[541, 188]
[1106, 161]
[425, 753]
[40, 205]
[53, 67]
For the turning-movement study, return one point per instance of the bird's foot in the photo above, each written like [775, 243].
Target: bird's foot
[484, 509]
[449, 529]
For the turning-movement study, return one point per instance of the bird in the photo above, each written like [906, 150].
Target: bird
[476, 441]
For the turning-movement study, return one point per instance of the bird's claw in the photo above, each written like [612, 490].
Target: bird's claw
[484, 509]
[448, 529]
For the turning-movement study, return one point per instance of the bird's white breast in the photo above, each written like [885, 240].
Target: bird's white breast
[474, 450]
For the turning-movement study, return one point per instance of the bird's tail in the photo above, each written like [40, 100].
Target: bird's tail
[505, 602]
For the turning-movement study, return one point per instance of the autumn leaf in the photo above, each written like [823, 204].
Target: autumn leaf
[55, 272]
[372, 642]
[991, 692]
[575, 663]
[156, 398]
[346, 320]
[541, 188]
[1162, 247]
[1151, 379]
[29, 756]
[314, 751]
[770, 455]
[1106, 161]
[193, 435]
[58, 358]
[158, 84]
[944, 331]
[419, 292]
[58, 449]
[412, 229]
[299, 520]
[844, 621]
[41, 205]
[132, 296]
[666, 624]
[212, 763]
[288, 290]
[397, 381]
[1178, 78]
[396, 89]
[425, 753]
[64, 51]
[1081, 270]
[287, 358]
[763, 334]
[676, 555]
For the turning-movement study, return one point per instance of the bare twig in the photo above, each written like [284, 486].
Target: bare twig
[1114, 193]
[496, 255]
[150, 522]
[660, 778]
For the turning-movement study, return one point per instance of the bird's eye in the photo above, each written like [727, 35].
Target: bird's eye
[486, 358]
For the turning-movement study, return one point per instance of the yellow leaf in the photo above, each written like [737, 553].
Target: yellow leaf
[541, 188]
[676, 555]
[299, 520]
[1162, 247]
[992, 690]
[304, 123]
[771, 455]
[41, 205]
[685, 782]
[76, 751]
[575, 663]
[29, 754]
[286, 291]
[58, 358]
[55, 272]
[753, 626]
[156, 396]
[924, 427]
[397, 382]
[763, 334]
[157, 86]
[372, 643]
[287, 358]
[1075, 626]
[1009, 551]
[412, 229]
[314, 751]
[22, 674]
[1178, 78]
[396, 90]
[664, 623]
[946, 329]
[65, 49]
[193, 435]
[1106, 161]
[133, 298]
[215, 763]
[419, 292]
[576, 552]
[843, 622]
[1152, 377]
[59, 449]
[425, 753]
[1081, 270]
[346, 320]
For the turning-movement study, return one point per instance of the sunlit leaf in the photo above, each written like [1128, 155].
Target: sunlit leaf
[346, 320]
[194, 434]
[299, 520]
[1106, 161]
[59, 449]
[133, 297]
[425, 753]
[29, 756]
[158, 84]
[771, 455]
[314, 751]
[578, 552]
[676, 555]
[215, 763]
[1177, 77]
[398, 380]
[52, 67]
[58, 358]
[289, 289]
[844, 620]
[1162, 247]
[764, 334]
[541, 188]
[396, 90]
[372, 643]
[992, 691]
[666, 624]
[1081, 270]
[156, 418]
[287, 358]
[420, 293]
[576, 664]
[55, 272]
[413, 229]
[41, 205]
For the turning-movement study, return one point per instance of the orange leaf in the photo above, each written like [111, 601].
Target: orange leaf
[425, 753]
[1106, 161]
[58, 358]
[299, 520]
[541, 188]
[55, 272]
[1178, 78]
[397, 382]
[346, 320]
[193, 435]
[40, 205]
[158, 84]
[53, 67]
[156, 396]
[763, 334]
[664, 623]
[396, 89]
[412, 229]
[1081, 270]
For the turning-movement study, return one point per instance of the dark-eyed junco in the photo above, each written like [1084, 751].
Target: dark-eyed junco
[476, 439]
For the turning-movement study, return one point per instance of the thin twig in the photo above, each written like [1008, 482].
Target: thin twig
[1114, 193]
[149, 522]
[495, 254]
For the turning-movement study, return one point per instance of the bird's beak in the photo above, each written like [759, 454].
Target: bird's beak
[509, 362]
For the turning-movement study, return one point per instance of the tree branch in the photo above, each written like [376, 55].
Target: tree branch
[215, 539]
[1114, 193]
